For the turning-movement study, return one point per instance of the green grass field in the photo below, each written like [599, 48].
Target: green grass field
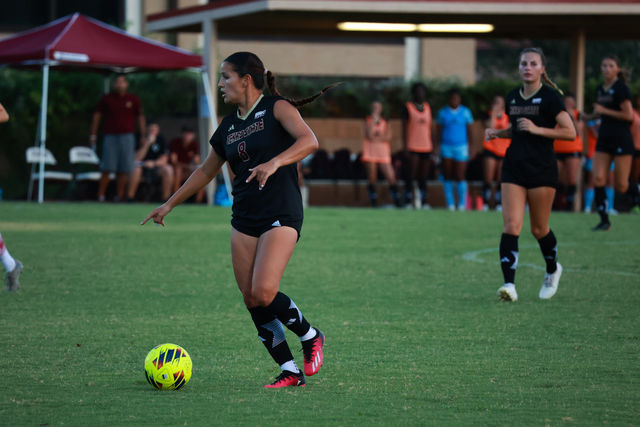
[415, 334]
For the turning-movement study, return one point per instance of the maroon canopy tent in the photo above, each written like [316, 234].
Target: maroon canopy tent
[77, 41]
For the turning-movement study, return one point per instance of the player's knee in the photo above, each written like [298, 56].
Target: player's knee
[512, 227]
[539, 231]
[262, 296]
[599, 181]
[622, 186]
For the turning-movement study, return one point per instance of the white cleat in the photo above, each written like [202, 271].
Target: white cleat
[508, 292]
[550, 283]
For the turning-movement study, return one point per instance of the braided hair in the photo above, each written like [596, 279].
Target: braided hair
[245, 63]
[545, 76]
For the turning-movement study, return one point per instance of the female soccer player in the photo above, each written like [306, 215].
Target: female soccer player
[529, 170]
[613, 105]
[416, 137]
[454, 121]
[376, 151]
[262, 141]
[634, 177]
[494, 151]
[569, 154]
[12, 265]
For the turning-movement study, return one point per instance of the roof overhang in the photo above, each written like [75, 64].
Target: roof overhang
[532, 19]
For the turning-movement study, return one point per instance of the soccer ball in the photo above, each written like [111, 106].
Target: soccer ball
[167, 367]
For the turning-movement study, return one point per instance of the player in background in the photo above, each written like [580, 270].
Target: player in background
[530, 170]
[615, 144]
[494, 151]
[569, 155]
[11, 265]
[634, 177]
[417, 144]
[454, 122]
[262, 140]
[376, 151]
[592, 139]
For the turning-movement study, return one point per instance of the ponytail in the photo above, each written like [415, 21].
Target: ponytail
[245, 63]
[271, 84]
[615, 59]
[545, 77]
[550, 82]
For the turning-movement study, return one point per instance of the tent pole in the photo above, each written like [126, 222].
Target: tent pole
[43, 128]
[214, 122]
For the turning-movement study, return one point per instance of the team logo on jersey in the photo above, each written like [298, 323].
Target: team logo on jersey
[513, 101]
[259, 114]
[230, 128]
[244, 133]
[526, 110]
[536, 100]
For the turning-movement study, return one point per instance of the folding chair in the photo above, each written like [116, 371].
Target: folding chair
[34, 155]
[84, 162]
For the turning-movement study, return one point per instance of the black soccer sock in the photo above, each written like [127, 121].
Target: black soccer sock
[393, 189]
[271, 333]
[498, 196]
[571, 196]
[601, 203]
[288, 313]
[422, 187]
[486, 193]
[623, 201]
[549, 247]
[509, 256]
[373, 196]
[633, 194]
[408, 191]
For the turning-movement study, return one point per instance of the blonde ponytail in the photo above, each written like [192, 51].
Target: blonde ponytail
[548, 81]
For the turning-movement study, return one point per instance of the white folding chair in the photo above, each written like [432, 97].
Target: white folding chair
[81, 155]
[34, 155]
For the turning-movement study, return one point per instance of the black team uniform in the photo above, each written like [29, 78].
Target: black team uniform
[245, 144]
[530, 162]
[614, 138]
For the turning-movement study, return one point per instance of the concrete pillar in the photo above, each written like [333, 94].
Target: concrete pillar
[577, 67]
[133, 16]
[412, 58]
[210, 59]
[576, 78]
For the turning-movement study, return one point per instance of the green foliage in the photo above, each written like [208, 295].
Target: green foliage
[415, 334]
[73, 97]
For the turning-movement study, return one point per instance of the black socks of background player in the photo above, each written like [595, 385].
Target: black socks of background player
[549, 247]
[601, 204]
[509, 256]
[571, 196]
[373, 195]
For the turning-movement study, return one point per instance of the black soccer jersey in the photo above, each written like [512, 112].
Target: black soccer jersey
[248, 143]
[533, 154]
[612, 98]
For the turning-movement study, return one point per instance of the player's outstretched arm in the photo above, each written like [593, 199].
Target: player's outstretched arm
[4, 116]
[198, 179]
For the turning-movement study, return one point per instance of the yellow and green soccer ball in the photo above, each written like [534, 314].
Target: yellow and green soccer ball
[168, 367]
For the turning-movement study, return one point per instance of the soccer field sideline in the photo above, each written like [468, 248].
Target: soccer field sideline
[415, 334]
